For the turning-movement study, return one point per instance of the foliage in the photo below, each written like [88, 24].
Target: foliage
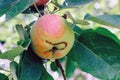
[95, 51]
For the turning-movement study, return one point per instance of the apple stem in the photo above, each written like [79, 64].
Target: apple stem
[61, 68]
[42, 13]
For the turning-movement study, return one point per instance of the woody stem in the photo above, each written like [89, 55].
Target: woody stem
[61, 68]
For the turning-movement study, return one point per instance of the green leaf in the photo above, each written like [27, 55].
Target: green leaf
[82, 22]
[28, 27]
[107, 33]
[69, 3]
[3, 77]
[99, 42]
[70, 68]
[103, 46]
[45, 75]
[10, 54]
[5, 5]
[77, 20]
[108, 20]
[31, 66]
[23, 35]
[26, 43]
[0, 52]
[13, 68]
[77, 30]
[89, 62]
[19, 7]
[53, 66]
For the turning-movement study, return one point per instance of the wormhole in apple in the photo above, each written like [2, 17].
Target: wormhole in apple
[54, 49]
[56, 45]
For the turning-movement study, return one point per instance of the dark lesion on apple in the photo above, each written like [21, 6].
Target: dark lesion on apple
[54, 48]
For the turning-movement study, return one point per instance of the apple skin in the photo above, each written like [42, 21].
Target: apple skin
[41, 2]
[52, 37]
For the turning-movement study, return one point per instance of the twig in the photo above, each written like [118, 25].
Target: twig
[37, 9]
[61, 68]
[4, 70]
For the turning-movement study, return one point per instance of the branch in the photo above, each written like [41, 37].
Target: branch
[4, 70]
[61, 68]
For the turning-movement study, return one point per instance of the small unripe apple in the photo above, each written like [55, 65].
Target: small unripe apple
[52, 37]
[41, 2]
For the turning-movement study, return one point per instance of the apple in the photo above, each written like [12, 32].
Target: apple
[51, 36]
[41, 2]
